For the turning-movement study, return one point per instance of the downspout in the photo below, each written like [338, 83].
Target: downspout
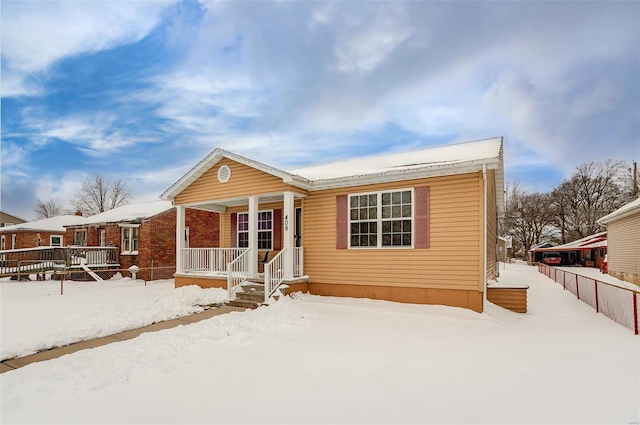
[484, 278]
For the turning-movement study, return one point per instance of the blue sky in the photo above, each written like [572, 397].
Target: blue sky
[142, 90]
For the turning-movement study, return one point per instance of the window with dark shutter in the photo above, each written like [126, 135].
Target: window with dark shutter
[386, 219]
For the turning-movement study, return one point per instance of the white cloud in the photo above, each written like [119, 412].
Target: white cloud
[36, 34]
[366, 50]
[95, 134]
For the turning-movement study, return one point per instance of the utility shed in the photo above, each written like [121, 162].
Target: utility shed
[623, 239]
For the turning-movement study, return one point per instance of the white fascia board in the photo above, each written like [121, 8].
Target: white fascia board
[213, 158]
[213, 206]
[405, 174]
[192, 175]
[27, 229]
[622, 212]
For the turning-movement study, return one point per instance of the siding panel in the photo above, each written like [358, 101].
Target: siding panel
[623, 248]
[451, 261]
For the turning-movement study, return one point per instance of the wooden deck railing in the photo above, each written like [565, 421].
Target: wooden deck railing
[42, 259]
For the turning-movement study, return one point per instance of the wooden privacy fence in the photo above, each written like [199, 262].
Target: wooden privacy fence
[617, 303]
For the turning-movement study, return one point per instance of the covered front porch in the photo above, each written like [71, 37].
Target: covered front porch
[260, 242]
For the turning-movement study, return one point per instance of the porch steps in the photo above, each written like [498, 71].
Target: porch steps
[243, 304]
[251, 295]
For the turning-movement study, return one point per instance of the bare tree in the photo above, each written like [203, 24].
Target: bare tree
[528, 217]
[49, 208]
[594, 190]
[98, 195]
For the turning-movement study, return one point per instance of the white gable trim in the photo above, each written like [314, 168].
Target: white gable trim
[213, 158]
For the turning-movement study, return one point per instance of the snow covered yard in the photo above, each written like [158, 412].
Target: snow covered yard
[90, 310]
[339, 360]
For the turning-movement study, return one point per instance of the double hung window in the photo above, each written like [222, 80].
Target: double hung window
[265, 230]
[130, 240]
[80, 237]
[381, 219]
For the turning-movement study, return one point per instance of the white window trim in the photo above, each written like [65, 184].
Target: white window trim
[56, 236]
[14, 241]
[127, 228]
[102, 232]
[380, 220]
[238, 231]
[3, 242]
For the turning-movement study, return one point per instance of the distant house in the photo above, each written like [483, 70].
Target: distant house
[623, 234]
[505, 248]
[417, 227]
[588, 251]
[145, 234]
[7, 219]
[31, 234]
[535, 255]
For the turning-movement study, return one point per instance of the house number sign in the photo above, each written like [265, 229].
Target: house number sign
[286, 223]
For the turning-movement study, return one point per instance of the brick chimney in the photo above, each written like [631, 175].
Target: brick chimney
[79, 213]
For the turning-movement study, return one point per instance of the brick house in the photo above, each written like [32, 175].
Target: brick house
[145, 234]
[31, 234]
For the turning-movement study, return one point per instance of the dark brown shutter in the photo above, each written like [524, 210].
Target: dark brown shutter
[234, 230]
[342, 222]
[277, 230]
[421, 219]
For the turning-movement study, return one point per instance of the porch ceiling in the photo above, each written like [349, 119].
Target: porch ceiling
[221, 205]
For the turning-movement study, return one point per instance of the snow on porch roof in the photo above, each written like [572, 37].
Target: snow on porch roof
[442, 160]
[128, 213]
[53, 224]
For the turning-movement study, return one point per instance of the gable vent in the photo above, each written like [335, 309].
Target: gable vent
[224, 174]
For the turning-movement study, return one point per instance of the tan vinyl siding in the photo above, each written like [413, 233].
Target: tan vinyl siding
[492, 225]
[623, 247]
[244, 181]
[514, 299]
[452, 261]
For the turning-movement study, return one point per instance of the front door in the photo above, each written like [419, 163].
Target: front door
[298, 234]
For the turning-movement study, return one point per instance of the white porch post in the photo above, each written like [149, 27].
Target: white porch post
[253, 235]
[289, 230]
[180, 212]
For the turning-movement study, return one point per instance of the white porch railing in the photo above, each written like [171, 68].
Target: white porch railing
[238, 271]
[273, 274]
[206, 260]
[298, 262]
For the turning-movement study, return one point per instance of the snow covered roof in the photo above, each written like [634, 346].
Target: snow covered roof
[542, 245]
[441, 156]
[51, 225]
[598, 240]
[449, 159]
[622, 212]
[128, 213]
